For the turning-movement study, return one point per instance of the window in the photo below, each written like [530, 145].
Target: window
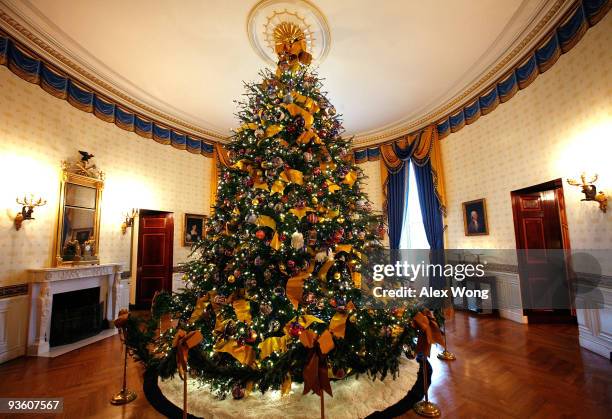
[413, 232]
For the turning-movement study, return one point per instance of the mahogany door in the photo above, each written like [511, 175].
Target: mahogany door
[541, 235]
[155, 254]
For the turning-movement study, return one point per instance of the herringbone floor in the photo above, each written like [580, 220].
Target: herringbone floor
[503, 370]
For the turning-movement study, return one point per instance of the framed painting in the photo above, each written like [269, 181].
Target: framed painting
[475, 218]
[193, 228]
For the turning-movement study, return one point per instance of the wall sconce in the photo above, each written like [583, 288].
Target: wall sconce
[129, 220]
[590, 191]
[28, 205]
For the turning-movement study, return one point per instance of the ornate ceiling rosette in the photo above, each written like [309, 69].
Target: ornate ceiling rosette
[270, 20]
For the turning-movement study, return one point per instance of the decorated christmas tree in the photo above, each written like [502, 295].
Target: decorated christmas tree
[274, 293]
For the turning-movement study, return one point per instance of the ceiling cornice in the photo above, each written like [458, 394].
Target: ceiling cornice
[545, 20]
[22, 29]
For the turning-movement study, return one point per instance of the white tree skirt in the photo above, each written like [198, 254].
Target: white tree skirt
[353, 398]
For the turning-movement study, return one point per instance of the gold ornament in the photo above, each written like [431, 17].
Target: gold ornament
[314, 200]
[337, 276]
[340, 219]
[231, 279]
[255, 202]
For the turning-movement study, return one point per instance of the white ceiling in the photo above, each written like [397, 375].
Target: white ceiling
[390, 61]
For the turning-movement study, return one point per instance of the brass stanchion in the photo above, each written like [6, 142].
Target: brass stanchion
[425, 407]
[446, 355]
[124, 395]
[183, 342]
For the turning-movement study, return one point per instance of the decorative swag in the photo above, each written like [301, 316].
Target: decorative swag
[34, 70]
[567, 33]
[423, 148]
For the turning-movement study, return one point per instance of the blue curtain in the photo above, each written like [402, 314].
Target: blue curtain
[432, 217]
[430, 207]
[396, 200]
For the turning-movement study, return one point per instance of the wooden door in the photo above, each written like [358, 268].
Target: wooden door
[541, 233]
[155, 255]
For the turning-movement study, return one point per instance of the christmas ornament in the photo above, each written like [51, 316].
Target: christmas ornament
[295, 329]
[238, 392]
[274, 326]
[260, 234]
[265, 309]
[231, 279]
[297, 240]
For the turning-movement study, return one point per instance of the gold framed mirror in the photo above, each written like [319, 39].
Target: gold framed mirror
[78, 229]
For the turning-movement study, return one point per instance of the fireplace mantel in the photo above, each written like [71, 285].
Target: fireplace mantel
[77, 272]
[46, 282]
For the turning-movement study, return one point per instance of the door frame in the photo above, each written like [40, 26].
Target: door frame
[142, 213]
[556, 186]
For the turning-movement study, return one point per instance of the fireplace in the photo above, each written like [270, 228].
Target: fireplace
[76, 315]
[69, 306]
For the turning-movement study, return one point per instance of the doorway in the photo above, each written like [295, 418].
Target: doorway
[155, 255]
[542, 235]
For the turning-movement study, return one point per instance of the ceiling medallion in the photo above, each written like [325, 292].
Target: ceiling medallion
[272, 20]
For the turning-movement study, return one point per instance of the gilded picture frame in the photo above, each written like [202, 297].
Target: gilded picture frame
[475, 217]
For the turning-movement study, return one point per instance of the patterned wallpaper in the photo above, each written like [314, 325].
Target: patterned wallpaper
[558, 127]
[37, 131]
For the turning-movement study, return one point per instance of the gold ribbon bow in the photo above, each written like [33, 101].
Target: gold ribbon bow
[122, 319]
[316, 378]
[183, 342]
[295, 285]
[300, 212]
[266, 221]
[272, 344]
[295, 110]
[201, 306]
[429, 331]
[337, 325]
[292, 175]
[242, 308]
[272, 130]
[350, 178]
[243, 353]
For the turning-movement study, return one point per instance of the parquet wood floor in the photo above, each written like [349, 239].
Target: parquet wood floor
[503, 370]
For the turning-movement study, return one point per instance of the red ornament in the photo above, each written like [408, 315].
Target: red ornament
[339, 373]
[291, 264]
[295, 329]
[316, 171]
[282, 237]
[260, 234]
[312, 218]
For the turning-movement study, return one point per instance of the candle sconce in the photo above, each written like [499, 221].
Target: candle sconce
[129, 220]
[590, 191]
[28, 205]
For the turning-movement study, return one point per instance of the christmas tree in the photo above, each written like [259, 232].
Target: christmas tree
[275, 287]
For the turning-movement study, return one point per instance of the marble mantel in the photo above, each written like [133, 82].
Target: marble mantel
[44, 283]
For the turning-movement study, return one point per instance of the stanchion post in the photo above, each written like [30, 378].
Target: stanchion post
[124, 395]
[426, 408]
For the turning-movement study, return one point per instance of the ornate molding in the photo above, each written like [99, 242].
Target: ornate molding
[27, 36]
[550, 15]
[488, 78]
[63, 274]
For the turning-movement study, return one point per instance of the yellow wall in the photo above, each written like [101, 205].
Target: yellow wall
[37, 131]
[557, 127]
